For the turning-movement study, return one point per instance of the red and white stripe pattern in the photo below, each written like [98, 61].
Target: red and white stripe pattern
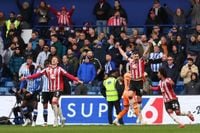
[167, 90]
[137, 69]
[116, 21]
[64, 18]
[55, 77]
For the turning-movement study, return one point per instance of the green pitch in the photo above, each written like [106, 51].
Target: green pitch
[102, 129]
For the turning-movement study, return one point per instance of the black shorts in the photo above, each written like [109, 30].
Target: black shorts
[173, 105]
[46, 97]
[136, 86]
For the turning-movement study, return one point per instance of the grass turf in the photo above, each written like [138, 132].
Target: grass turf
[102, 129]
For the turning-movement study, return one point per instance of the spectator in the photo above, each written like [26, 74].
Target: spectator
[2, 19]
[101, 11]
[15, 63]
[73, 61]
[110, 65]
[178, 58]
[160, 12]
[86, 46]
[81, 40]
[69, 68]
[193, 46]
[7, 53]
[118, 7]
[40, 46]
[116, 56]
[193, 87]
[34, 39]
[117, 24]
[26, 10]
[142, 45]
[150, 21]
[42, 13]
[155, 62]
[163, 45]
[179, 18]
[57, 44]
[99, 71]
[123, 39]
[91, 35]
[23, 24]
[187, 70]
[11, 20]
[197, 29]
[86, 73]
[42, 56]
[64, 17]
[171, 69]
[30, 52]
[195, 12]
[99, 51]
[53, 52]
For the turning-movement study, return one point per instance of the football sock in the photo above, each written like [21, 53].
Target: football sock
[35, 113]
[45, 114]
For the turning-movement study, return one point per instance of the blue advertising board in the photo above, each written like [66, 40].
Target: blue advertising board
[93, 110]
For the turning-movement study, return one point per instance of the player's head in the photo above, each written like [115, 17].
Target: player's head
[135, 56]
[54, 60]
[162, 73]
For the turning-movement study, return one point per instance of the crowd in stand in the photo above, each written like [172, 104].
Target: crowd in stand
[91, 52]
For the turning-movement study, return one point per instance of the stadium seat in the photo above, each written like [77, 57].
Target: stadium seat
[154, 88]
[9, 84]
[4, 90]
[179, 87]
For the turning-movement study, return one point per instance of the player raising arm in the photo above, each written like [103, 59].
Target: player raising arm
[133, 81]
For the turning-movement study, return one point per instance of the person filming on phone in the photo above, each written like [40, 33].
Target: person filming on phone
[187, 70]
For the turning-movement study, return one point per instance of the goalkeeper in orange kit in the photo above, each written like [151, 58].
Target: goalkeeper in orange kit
[129, 101]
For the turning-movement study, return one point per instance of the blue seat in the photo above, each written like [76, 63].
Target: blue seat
[4, 90]
[179, 87]
[9, 84]
[154, 88]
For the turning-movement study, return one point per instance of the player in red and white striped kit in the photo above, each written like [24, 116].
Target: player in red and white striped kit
[133, 81]
[171, 102]
[55, 74]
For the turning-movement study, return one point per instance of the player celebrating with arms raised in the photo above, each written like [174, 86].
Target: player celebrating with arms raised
[170, 99]
[55, 75]
[133, 81]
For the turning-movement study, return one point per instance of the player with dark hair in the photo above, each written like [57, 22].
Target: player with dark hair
[30, 89]
[133, 81]
[46, 96]
[55, 75]
[171, 102]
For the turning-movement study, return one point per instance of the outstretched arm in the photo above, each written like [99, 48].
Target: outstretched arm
[34, 76]
[54, 11]
[71, 77]
[122, 53]
[71, 11]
